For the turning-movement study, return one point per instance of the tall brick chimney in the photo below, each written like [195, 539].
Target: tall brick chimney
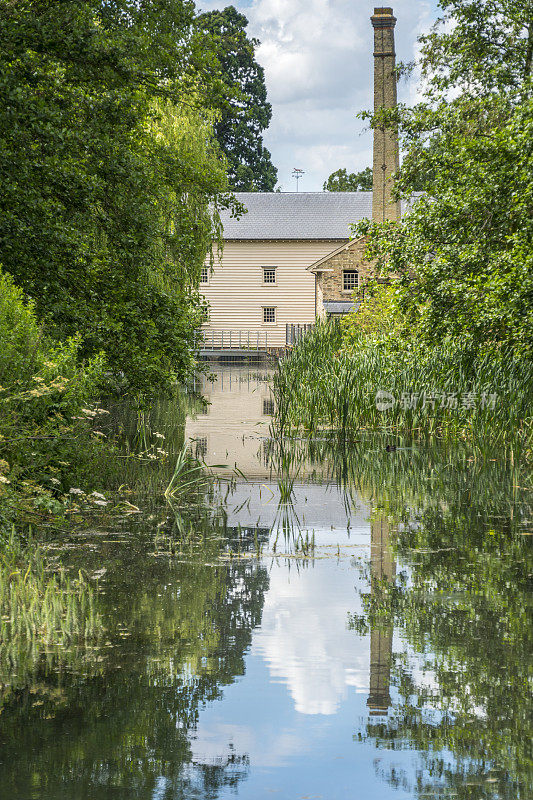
[386, 148]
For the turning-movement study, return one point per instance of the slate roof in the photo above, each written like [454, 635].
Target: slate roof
[339, 306]
[299, 215]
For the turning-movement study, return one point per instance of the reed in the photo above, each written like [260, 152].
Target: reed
[38, 608]
[448, 391]
[187, 475]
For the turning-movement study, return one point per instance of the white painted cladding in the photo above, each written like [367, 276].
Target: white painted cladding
[237, 295]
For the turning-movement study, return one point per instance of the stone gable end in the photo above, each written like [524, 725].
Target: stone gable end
[331, 283]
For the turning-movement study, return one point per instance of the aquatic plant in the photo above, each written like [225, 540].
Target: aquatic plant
[40, 609]
[187, 475]
[404, 386]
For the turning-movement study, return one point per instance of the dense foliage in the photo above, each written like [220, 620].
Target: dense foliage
[43, 390]
[364, 379]
[444, 349]
[111, 178]
[342, 181]
[43, 394]
[465, 253]
[244, 110]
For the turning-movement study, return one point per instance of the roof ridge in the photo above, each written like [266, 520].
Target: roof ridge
[300, 194]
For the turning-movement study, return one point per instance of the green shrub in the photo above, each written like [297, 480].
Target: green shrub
[378, 312]
[20, 335]
[42, 384]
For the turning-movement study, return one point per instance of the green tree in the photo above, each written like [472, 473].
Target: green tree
[465, 252]
[341, 181]
[111, 178]
[244, 110]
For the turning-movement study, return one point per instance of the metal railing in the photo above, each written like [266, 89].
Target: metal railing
[233, 340]
[295, 331]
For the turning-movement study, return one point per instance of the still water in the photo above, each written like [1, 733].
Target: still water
[320, 621]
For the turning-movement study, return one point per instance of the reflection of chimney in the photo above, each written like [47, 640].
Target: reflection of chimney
[386, 148]
[383, 568]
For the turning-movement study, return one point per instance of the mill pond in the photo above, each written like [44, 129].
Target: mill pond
[298, 618]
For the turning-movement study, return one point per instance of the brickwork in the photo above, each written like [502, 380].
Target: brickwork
[386, 149]
[329, 272]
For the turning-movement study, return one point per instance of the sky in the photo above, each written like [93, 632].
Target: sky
[317, 56]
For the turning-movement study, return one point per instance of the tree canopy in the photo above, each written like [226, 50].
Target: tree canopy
[465, 252]
[244, 110]
[111, 177]
[341, 181]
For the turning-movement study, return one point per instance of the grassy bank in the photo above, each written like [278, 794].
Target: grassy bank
[346, 383]
[45, 424]
[62, 461]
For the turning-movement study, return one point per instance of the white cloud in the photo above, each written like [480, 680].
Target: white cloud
[317, 56]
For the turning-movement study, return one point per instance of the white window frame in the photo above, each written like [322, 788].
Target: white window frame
[207, 273]
[349, 291]
[269, 283]
[274, 321]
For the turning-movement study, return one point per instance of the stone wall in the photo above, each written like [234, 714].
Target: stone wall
[331, 283]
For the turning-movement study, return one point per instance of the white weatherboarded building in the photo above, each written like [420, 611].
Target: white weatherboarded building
[289, 259]
[262, 283]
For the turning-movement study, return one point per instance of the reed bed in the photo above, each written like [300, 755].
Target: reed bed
[403, 387]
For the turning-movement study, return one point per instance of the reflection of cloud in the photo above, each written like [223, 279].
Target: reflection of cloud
[305, 641]
[317, 506]
[216, 741]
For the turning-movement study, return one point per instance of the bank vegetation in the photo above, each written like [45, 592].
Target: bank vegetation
[441, 342]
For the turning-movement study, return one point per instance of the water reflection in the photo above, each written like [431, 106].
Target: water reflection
[178, 635]
[382, 569]
[232, 428]
[320, 621]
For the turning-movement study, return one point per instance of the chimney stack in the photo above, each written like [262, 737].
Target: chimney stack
[386, 148]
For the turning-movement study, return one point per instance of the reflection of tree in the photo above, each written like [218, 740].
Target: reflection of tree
[180, 632]
[467, 613]
[463, 605]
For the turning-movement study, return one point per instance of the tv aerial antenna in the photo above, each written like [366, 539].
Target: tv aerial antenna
[297, 173]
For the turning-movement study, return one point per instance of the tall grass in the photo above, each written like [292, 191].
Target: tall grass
[449, 391]
[39, 610]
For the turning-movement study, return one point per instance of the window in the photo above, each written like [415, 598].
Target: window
[268, 407]
[204, 275]
[350, 280]
[269, 274]
[269, 314]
